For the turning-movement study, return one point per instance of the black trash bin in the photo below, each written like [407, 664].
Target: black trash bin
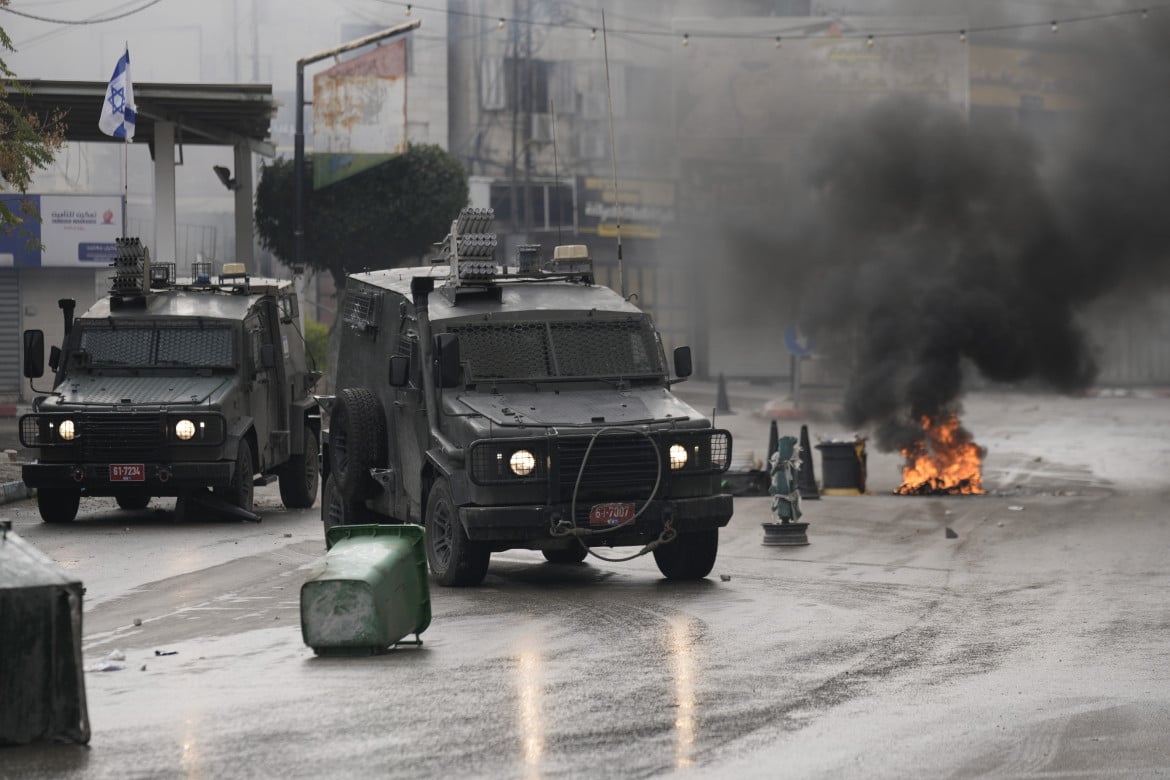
[842, 467]
[42, 684]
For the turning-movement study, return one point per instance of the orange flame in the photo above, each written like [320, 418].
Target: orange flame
[945, 460]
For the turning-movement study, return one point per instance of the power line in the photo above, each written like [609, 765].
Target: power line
[93, 20]
[689, 35]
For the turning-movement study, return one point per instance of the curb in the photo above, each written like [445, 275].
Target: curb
[15, 491]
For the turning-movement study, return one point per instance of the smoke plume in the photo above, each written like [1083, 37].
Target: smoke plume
[933, 240]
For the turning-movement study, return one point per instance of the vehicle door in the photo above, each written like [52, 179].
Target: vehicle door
[265, 388]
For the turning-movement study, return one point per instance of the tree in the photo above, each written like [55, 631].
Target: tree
[27, 142]
[380, 218]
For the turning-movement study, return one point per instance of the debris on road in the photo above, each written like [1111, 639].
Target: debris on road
[951, 534]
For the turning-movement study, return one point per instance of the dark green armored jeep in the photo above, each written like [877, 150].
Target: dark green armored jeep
[517, 407]
[194, 388]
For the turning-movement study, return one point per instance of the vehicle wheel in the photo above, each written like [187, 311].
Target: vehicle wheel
[357, 436]
[58, 505]
[299, 477]
[574, 554]
[690, 556]
[240, 491]
[454, 559]
[133, 499]
[336, 510]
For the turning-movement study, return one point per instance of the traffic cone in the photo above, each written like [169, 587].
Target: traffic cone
[773, 442]
[806, 481]
[721, 402]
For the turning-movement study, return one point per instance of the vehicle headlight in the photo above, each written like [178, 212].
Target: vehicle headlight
[66, 430]
[678, 456]
[185, 430]
[522, 463]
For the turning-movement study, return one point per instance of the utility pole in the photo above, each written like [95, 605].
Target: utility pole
[528, 101]
[513, 201]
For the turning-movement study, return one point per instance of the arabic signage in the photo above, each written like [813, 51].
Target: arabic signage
[74, 231]
[647, 207]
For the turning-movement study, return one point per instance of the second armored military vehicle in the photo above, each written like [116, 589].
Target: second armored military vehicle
[522, 407]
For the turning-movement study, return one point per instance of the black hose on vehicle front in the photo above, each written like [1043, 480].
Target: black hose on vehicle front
[569, 528]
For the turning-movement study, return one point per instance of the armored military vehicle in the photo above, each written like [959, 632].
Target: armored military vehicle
[195, 388]
[517, 407]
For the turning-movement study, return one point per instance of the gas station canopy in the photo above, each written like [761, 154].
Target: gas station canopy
[215, 114]
[168, 117]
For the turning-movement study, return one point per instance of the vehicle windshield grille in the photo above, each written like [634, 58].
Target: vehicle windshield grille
[570, 349]
[139, 346]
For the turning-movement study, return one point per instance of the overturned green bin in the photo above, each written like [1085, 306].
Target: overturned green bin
[368, 592]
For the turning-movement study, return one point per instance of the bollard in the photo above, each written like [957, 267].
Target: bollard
[807, 478]
[773, 441]
[721, 402]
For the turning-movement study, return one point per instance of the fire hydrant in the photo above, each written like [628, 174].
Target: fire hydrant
[784, 466]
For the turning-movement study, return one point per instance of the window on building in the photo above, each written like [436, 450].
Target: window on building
[528, 85]
[551, 205]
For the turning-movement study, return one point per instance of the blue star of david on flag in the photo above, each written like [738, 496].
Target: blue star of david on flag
[118, 114]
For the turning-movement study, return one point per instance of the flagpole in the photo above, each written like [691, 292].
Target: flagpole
[126, 157]
[125, 186]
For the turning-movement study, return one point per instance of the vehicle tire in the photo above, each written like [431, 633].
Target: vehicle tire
[133, 499]
[454, 559]
[691, 556]
[357, 437]
[574, 554]
[337, 510]
[240, 492]
[58, 505]
[300, 475]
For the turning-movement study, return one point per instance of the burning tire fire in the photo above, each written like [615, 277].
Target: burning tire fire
[945, 461]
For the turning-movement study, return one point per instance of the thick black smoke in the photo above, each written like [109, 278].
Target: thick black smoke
[933, 240]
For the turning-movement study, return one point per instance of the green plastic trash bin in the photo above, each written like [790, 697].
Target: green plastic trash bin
[368, 592]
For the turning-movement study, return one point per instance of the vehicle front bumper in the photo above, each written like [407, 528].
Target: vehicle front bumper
[160, 479]
[534, 523]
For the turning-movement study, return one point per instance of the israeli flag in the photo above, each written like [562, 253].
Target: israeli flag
[118, 110]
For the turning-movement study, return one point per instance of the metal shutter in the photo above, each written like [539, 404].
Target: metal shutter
[10, 357]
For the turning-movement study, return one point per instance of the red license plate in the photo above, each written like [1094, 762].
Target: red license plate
[127, 472]
[611, 514]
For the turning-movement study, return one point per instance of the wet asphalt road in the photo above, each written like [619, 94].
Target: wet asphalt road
[1036, 644]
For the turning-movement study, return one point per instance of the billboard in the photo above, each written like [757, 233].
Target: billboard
[359, 113]
[74, 231]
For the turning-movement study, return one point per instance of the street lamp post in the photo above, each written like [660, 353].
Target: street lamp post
[299, 138]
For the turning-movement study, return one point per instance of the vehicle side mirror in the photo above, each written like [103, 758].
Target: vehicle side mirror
[292, 310]
[267, 356]
[447, 361]
[682, 362]
[399, 371]
[54, 358]
[34, 353]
